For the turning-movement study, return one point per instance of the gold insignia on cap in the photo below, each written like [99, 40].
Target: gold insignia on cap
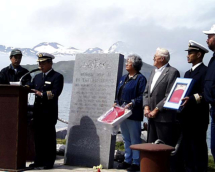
[189, 45]
[40, 55]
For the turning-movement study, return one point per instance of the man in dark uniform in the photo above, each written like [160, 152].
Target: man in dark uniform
[14, 71]
[47, 86]
[195, 115]
[209, 87]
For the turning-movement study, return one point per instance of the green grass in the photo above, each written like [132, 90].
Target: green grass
[211, 166]
[119, 146]
[61, 141]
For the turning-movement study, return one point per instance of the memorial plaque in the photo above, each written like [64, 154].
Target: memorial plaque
[93, 93]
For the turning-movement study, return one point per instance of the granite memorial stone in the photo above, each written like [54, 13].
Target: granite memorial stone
[95, 78]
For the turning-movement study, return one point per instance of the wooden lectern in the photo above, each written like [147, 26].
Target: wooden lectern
[13, 127]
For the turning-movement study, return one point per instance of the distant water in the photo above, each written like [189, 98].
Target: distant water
[209, 135]
[64, 107]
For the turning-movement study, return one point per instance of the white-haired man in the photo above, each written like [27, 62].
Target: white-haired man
[209, 87]
[161, 121]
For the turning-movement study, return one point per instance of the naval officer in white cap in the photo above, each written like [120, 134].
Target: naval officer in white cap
[209, 87]
[195, 116]
[47, 86]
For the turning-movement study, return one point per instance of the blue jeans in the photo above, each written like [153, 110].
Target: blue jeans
[131, 132]
[212, 112]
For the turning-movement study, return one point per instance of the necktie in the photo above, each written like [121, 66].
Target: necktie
[44, 75]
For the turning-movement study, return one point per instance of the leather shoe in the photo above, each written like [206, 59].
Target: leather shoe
[123, 165]
[48, 167]
[133, 167]
[34, 165]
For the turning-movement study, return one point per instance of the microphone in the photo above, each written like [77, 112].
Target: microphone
[34, 70]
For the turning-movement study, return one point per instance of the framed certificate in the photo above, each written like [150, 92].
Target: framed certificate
[180, 89]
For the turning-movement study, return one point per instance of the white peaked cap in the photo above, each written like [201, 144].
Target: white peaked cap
[211, 31]
[196, 46]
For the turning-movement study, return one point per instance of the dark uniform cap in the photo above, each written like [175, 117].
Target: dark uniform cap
[196, 46]
[44, 56]
[15, 52]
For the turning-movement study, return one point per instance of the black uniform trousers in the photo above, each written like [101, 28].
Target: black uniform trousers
[45, 143]
[195, 148]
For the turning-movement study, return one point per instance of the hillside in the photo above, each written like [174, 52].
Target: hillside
[63, 67]
[66, 68]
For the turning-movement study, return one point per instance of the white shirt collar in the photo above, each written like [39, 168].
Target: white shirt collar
[194, 67]
[161, 68]
[48, 72]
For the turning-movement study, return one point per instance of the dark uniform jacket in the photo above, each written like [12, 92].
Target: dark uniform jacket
[8, 74]
[46, 107]
[195, 114]
[209, 86]
[132, 91]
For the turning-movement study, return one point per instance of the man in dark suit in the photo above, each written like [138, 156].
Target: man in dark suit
[14, 71]
[161, 121]
[209, 86]
[47, 86]
[195, 115]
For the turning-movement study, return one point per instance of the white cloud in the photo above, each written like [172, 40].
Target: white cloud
[143, 24]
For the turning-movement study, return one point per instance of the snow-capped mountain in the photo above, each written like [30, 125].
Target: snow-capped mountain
[61, 51]
[94, 51]
[5, 49]
[28, 51]
[62, 54]
[120, 47]
[55, 48]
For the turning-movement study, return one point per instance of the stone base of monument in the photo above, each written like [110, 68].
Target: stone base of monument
[154, 157]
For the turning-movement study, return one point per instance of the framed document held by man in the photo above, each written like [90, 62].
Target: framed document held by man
[180, 89]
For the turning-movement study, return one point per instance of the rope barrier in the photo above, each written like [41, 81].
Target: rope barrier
[62, 120]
